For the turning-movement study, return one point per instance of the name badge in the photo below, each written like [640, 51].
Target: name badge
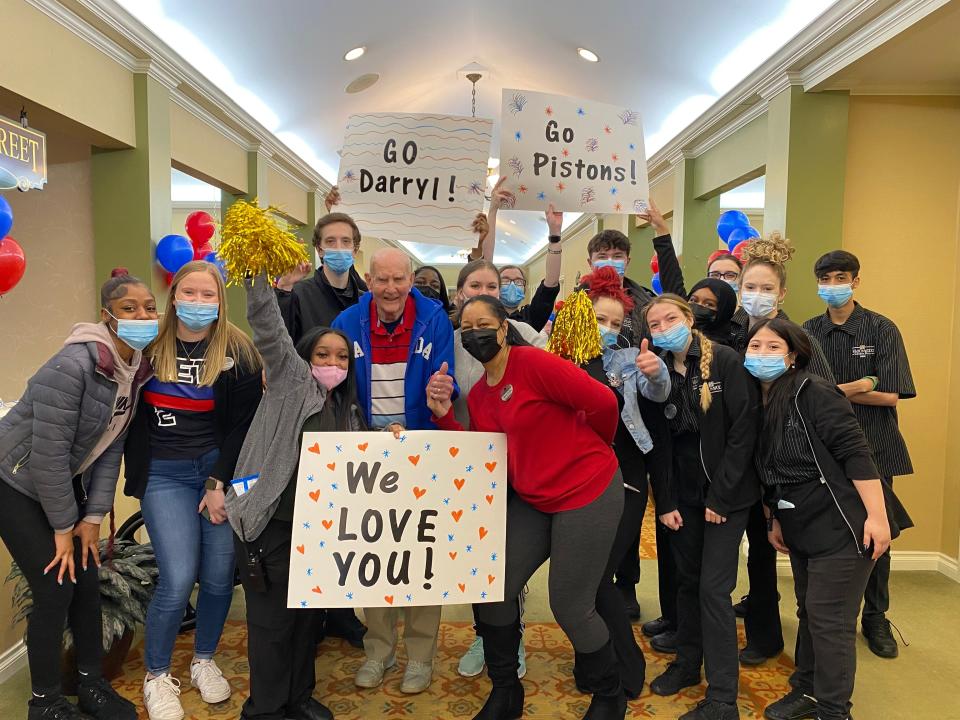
[506, 393]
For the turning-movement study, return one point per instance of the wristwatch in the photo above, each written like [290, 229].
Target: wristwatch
[553, 239]
[213, 484]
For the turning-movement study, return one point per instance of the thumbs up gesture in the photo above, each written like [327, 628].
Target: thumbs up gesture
[440, 391]
[647, 361]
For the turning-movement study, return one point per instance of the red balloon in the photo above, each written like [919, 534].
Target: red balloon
[13, 263]
[199, 253]
[200, 227]
[738, 250]
[654, 264]
[168, 278]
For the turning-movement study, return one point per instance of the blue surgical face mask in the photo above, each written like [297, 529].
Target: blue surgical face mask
[339, 261]
[758, 304]
[835, 296]
[765, 368]
[197, 316]
[734, 284]
[619, 265]
[608, 336]
[511, 295]
[137, 334]
[675, 339]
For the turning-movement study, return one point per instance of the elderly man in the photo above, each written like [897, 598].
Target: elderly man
[400, 339]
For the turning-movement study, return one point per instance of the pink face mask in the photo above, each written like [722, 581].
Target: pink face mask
[328, 376]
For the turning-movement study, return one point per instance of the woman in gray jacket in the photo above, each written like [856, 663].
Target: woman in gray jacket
[309, 388]
[60, 449]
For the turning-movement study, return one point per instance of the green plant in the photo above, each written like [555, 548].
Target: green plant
[126, 586]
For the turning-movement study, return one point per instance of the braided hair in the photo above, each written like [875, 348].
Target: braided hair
[706, 346]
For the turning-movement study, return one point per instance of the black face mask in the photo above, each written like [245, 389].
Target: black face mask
[483, 345]
[702, 315]
[429, 292]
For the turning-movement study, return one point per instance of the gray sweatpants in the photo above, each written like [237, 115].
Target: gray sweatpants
[578, 544]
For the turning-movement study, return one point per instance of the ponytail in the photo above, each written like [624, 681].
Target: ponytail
[706, 360]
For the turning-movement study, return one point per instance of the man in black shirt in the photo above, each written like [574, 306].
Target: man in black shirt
[612, 248]
[868, 359]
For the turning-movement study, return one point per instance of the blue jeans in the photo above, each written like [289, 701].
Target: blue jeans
[188, 547]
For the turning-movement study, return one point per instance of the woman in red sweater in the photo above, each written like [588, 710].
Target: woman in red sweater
[566, 501]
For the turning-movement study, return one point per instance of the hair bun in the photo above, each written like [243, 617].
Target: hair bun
[119, 272]
[774, 248]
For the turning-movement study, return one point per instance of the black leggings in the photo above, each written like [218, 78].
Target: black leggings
[29, 538]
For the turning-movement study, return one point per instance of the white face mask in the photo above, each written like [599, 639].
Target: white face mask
[757, 304]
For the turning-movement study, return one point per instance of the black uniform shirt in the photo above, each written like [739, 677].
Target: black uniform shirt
[793, 462]
[682, 408]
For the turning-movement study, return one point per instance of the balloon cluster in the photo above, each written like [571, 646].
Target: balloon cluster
[735, 230]
[175, 251]
[655, 282]
[13, 263]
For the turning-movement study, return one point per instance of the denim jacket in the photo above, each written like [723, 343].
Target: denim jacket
[620, 365]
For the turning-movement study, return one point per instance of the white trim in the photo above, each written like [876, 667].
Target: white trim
[778, 84]
[205, 117]
[919, 89]
[195, 205]
[13, 660]
[166, 76]
[889, 24]
[903, 561]
[85, 31]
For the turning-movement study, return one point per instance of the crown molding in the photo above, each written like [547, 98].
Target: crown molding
[207, 118]
[778, 84]
[166, 76]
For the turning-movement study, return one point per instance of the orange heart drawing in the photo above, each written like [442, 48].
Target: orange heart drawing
[315, 495]
[363, 447]
[483, 533]
[389, 599]
[453, 555]
[300, 549]
[419, 492]
[331, 466]
[315, 448]
[459, 484]
[317, 590]
[454, 451]
[489, 499]
[456, 515]
[327, 524]
[414, 459]
[490, 579]
[491, 466]
[463, 588]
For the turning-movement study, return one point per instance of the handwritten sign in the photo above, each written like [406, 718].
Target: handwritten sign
[23, 157]
[386, 522]
[415, 177]
[580, 155]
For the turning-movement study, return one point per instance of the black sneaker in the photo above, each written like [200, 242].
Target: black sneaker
[655, 627]
[795, 705]
[712, 710]
[311, 709]
[665, 642]
[879, 638]
[751, 657]
[740, 608]
[343, 623]
[102, 702]
[59, 709]
[674, 679]
[630, 601]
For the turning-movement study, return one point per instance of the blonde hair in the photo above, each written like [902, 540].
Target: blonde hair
[706, 346]
[774, 251]
[224, 340]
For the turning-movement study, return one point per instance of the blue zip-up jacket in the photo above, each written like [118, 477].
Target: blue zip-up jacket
[431, 344]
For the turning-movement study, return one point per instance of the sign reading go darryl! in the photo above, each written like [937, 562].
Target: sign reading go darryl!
[387, 522]
[23, 157]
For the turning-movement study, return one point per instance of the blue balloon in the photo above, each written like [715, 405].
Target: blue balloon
[173, 252]
[741, 234]
[221, 266]
[655, 284]
[6, 217]
[728, 221]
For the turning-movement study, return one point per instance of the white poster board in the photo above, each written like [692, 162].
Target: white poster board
[387, 522]
[580, 155]
[419, 178]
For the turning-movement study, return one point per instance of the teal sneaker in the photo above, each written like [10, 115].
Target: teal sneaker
[471, 664]
[522, 658]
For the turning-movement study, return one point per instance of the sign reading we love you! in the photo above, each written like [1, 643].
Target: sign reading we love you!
[415, 177]
[382, 521]
[580, 155]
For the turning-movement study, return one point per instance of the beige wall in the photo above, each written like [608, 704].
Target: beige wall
[209, 154]
[900, 219]
[738, 158]
[286, 195]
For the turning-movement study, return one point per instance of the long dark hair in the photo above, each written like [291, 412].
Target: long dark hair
[783, 389]
[345, 405]
[444, 298]
[500, 311]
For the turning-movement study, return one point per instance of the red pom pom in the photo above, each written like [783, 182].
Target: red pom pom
[606, 282]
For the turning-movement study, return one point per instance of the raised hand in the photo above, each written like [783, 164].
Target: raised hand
[480, 225]
[653, 216]
[554, 220]
[501, 198]
[440, 392]
[647, 361]
[288, 280]
[332, 198]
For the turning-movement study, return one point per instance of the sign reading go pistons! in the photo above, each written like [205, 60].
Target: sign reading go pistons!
[23, 157]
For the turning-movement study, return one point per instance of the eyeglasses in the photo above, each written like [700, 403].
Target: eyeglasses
[728, 276]
[519, 283]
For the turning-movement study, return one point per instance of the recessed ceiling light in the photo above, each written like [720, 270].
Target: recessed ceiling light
[493, 163]
[362, 83]
[588, 55]
[508, 234]
[513, 222]
[355, 53]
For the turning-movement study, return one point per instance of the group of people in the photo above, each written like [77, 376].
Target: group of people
[740, 422]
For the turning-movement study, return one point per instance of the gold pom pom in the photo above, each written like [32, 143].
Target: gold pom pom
[255, 241]
[576, 335]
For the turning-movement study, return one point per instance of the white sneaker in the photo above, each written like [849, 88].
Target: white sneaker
[161, 696]
[206, 677]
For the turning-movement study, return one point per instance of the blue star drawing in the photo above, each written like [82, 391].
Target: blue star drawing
[303, 603]
[446, 594]
[427, 447]
[469, 468]
[470, 548]
[474, 507]
[490, 447]
[349, 596]
[493, 557]
[409, 598]
[493, 485]
[541, 196]
[323, 543]
[581, 112]
[518, 136]
[449, 537]
[334, 486]
[309, 478]
[473, 572]
[309, 572]
[403, 438]
[446, 501]
[339, 449]
[434, 477]
[483, 595]
[613, 191]
[386, 453]
[330, 505]
[632, 146]
[306, 526]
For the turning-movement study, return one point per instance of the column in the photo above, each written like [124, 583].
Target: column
[694, 221]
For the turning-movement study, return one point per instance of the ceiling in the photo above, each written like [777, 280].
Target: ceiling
[285, 65]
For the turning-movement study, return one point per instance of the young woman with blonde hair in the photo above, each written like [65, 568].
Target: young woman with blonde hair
[180, 456]
[712, 413]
